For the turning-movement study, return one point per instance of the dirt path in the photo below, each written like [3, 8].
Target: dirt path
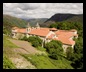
[25, 48]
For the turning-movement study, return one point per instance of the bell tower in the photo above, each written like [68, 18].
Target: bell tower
[37, 25]
[28, 28]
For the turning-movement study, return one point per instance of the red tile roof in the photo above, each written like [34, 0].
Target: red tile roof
[73, 30]
[67, 34]
[40, 31]
[63, 35]
[45, 29]
[54, 29]
[21, 30]
[66, 41]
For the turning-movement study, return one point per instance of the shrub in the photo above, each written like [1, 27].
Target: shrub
[41, 48]
[7, 64]
[53, 53]
[24, 38]
[36, 41]
[54, 44]
[54, 48]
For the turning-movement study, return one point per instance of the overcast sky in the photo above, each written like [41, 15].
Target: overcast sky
[41, 10]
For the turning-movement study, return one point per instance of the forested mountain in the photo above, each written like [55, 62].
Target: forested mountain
[34, 21]
[64, 17]
[14, 21]
[10, 21]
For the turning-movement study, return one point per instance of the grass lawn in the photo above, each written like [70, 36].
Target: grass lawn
[7, 43]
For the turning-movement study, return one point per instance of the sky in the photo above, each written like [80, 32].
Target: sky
[41, 10]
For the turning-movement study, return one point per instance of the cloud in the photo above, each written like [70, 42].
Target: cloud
[30, 6]
[41, 10]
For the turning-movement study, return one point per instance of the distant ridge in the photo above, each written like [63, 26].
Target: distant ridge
[35, 20]
[63, 17]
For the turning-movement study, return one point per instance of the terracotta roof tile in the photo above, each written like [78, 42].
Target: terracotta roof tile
[40, 32]
[64, 40]
[53, 29]
[62, 35]
[73, 30]
[21, 30]
[67, 34]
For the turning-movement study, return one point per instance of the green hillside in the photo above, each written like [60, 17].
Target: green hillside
[7, 46]
[76, 19]
[10, 21]
[44, 62]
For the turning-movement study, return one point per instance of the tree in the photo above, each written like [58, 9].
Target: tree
[54, 48]
[24, 38]
[36, 41]
[53, 53]
[77, 61]
[54, 44]
[77, 56]
[78, 48]
[53, 25]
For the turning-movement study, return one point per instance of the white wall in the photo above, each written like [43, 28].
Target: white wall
[14, 31]
[66, 46]
[72, 37]
[50, 33]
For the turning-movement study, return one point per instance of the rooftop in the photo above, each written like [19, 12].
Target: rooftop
[40, 31]
[62, 35]
[54, 29]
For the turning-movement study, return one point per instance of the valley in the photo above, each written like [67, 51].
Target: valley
[28, 53]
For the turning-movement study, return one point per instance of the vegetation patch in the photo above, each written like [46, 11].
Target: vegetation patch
[7, 43]
[41, 48]
[7, 64]
[10, 21]
[41, 62]
[62, 63]
[44, 62]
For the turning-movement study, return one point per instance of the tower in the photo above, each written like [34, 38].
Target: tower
[28, 28]
[37, 25]
[28, 25]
